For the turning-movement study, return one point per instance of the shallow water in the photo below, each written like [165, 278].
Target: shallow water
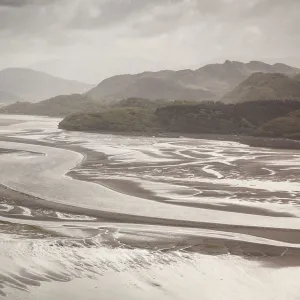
[110, 216]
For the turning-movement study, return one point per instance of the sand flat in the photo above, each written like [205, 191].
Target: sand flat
[158, 217]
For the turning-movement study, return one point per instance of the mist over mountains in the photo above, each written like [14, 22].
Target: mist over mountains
[265, 86]
[230, 82]
[33, 86]
[7, 98]
[58, 106]
[210, 82]
[254, 99]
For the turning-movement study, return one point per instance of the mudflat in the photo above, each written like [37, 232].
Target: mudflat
[144, 203]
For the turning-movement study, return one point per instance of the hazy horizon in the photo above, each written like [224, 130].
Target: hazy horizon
[124, 73]
[91, 40]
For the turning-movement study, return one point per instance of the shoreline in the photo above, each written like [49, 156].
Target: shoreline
[204, 244]
[291, 236]
[252, 141]
[165, 237]
[278, 234]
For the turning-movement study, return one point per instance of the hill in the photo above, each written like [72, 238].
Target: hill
[147, 87]
[130, 119]
[6, 98]
[287, 126]
[210, 82]
[297, 77]
[260, 86]
[206, 117]
[141, 103]
[217, 117]
[64, 105]
[33, 86]
[57, 106]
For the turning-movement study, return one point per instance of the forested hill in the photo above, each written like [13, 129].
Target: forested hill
[59, 106]
[208, 117]
[260, 86]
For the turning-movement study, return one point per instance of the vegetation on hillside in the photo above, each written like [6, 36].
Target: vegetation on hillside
[117, 119]
[141, 103]
[260, 86]
[206, 117]
[287, 126]
[259, 112]
[54, 107]
[251, 118]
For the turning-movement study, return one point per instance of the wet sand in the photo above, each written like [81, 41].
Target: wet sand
[131, 188]
[55, 241]
[15, 198]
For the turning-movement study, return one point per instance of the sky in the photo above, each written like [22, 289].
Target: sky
[89, 40]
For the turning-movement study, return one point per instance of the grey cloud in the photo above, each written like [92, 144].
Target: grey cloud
[148, 18]
[19, 3]
[33, 17]
[15, 2]
[93, 14]
[166, 33]
[266, 8]
[26, 18]
[143, 16]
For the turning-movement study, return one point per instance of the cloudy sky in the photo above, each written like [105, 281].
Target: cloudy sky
[89, 40]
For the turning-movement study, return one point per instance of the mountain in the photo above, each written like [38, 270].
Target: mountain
[152, 88]
[297, 77]
[140, 103]
[287, 126]
[55, 107]
[210, 82]
[35, 86]
[222, 78]
[205, 117]
[260, 86]
[133, 119]
[6, 98]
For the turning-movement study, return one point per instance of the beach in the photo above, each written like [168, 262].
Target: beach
[95, 208]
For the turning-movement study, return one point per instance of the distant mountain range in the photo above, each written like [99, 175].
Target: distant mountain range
[270, 86]
[230, 82]
[61, 106]
[54, 107]
[210, 82]
[6, 98]
[153, 88]
[28, 85]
